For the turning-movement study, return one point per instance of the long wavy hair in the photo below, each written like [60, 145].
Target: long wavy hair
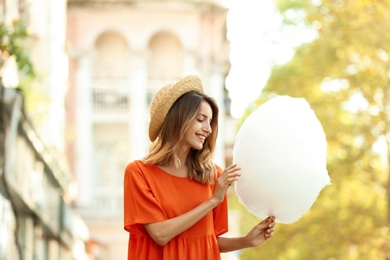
[164, 150]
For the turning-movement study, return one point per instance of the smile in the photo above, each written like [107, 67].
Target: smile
[201, 137]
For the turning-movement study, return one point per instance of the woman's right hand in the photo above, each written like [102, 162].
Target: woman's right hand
[229, 175]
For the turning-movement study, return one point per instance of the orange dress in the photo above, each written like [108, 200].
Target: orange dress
[153, 195]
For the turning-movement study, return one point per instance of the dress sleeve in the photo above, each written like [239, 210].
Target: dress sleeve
[140, 205]
[220, 213]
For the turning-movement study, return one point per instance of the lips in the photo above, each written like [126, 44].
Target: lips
[201, 137]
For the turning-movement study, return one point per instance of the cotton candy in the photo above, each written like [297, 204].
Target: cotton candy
[281, 149]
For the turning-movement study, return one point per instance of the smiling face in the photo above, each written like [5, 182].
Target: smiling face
[190, 127]
[200, 128]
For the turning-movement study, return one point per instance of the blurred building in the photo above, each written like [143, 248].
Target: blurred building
[37, 220]
[121, 53]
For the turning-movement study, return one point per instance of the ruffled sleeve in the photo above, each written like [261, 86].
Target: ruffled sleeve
[140, 205]
[220, 213]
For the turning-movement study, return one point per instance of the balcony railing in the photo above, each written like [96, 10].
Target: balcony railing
[109, 100]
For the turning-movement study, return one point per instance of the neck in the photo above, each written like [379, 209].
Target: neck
[182, 154]
[180, 170]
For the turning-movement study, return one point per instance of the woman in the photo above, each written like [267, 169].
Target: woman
[175, 205]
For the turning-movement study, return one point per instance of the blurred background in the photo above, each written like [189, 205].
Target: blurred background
[77, 78]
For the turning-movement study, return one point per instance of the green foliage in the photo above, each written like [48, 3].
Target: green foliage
[347, 63]
[14, 40]
[12, 43]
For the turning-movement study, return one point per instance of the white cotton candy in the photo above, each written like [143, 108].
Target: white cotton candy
[281, 149]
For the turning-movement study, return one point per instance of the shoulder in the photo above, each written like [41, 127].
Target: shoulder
[137, 172]
[133, 166]
[137, 166]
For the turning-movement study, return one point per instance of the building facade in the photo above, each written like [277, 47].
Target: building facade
[121, 53]
[37, 218]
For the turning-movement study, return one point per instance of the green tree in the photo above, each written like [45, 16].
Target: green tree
[344, 75]
[13, 44]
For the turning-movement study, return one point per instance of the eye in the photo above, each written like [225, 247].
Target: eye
[200, 120]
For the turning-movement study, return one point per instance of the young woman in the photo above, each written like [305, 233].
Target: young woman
[175, 205]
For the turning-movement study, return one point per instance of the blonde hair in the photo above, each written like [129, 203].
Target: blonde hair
[164, 150]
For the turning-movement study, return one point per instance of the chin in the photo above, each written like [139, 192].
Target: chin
[197, 147]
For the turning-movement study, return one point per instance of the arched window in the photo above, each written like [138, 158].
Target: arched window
[110, 73]
[166, 56]
[111, 56]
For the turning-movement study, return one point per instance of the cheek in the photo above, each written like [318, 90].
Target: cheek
[189, 133]
[194, 127]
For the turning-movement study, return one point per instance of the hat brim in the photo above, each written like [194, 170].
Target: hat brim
[166, 97]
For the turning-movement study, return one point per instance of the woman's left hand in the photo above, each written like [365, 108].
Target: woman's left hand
[261, 232]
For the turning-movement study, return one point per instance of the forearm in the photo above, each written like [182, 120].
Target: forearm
[162, 232]
[258, 234]
[228, 244]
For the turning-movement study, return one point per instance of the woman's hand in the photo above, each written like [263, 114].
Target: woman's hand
[261, 232]
[229, 175]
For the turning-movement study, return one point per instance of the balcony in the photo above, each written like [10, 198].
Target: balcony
[110, 100]
[110, 104]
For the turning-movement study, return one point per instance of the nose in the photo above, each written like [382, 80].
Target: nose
[207, 128]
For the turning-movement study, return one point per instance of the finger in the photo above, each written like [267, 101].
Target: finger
[270, 230]
[229, 172]
[233, 175]
[234, 165]
[236, 169]
[267, 236]
[232, 168]
[271, 225]
[233, 178]
[262, 225]
[270, 220]
[266, 220]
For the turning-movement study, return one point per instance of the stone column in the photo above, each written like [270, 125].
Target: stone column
[139, 114]
[84, 130]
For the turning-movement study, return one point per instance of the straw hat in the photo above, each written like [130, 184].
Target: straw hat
[166, 97]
